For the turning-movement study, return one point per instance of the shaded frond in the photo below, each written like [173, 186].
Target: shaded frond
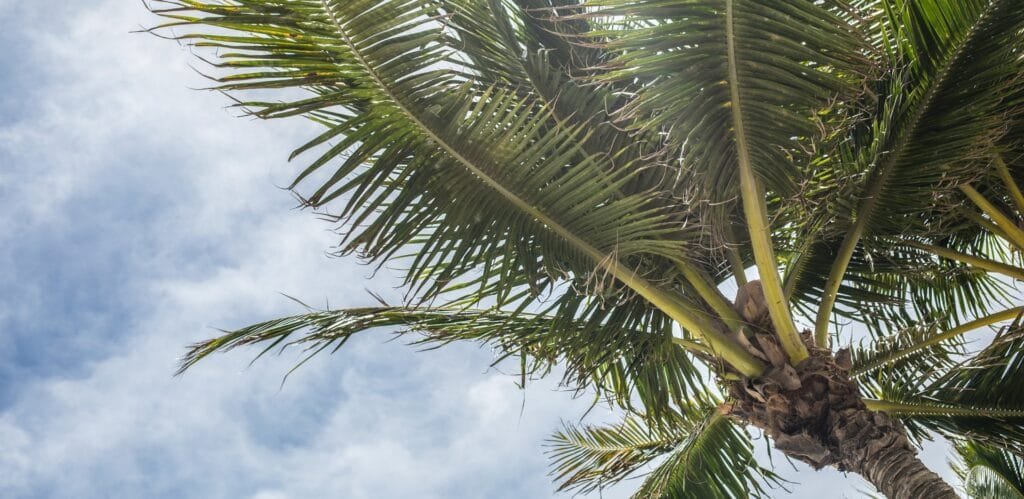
[702, 455]
[472, 176]
[907, 355]
[979, 399]
[791, 58]
[924, 349]
[988, 472]
[941, 112]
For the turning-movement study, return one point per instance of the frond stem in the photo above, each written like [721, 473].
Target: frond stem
[732, 252]
[937, 409]
[756, 214]
[1011, 185]
[712, 295]
[973, 261]
[988, 320]
[1004, 222]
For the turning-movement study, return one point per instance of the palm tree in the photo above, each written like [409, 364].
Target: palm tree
[574, 182]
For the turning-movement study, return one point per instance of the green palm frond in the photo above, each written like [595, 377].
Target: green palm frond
[424, 150]
[942, 114]
[791, 59]
[703, 455]
[910, 354]
[978, 399]
[586, 458]
[626, 366]
[570, 182]
[521, 42]
[988, 472]
[889, 287]
[923, 347]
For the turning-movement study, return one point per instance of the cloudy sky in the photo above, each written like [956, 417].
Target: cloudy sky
[138, 215]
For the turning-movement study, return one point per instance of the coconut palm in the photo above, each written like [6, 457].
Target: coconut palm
[575, 183]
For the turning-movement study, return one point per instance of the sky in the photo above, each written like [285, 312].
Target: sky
[140, 215]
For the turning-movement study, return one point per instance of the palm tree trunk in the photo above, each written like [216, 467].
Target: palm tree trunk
[899, 474]
[875, 446]
[814, 413]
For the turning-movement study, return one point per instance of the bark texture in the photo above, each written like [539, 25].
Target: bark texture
[814, 413]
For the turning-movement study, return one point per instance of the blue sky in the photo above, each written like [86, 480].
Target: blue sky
[139, 215]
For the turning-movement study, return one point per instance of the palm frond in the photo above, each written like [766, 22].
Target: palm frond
[988, 472]
[703, 455]
[889, 287]
[735, 107]
[531, 44]
[942, 114]
[979, 399]
[924, 346]
[428, 151]
[791, 60]
[907, 355]
[625, 366]
[586, 458]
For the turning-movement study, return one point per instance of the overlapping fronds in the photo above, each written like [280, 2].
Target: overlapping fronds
[533, 48]
[888, 287]
[470, 174]
[703, 455]
[907, 356]
[603, 164]
[989, 472]
[959, 66]
[978, 399]
[943, 110]
[434, 130]
[736, 87]
[791, 60]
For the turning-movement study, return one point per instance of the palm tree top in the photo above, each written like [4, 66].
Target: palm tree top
[576, 182]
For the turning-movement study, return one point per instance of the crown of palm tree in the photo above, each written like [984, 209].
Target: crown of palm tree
[573, 181]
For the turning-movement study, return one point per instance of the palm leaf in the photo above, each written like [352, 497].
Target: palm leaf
[887, 288]
[709, 80]
[988, 472]
[434, 150]
[978, 399]
[922, 347]
[910, 354]
[627, 367]
[960, 61]
[703, 455]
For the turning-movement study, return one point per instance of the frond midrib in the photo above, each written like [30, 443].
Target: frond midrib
[755, 212]
[910, 409]
[898, 355]
[998, 475]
